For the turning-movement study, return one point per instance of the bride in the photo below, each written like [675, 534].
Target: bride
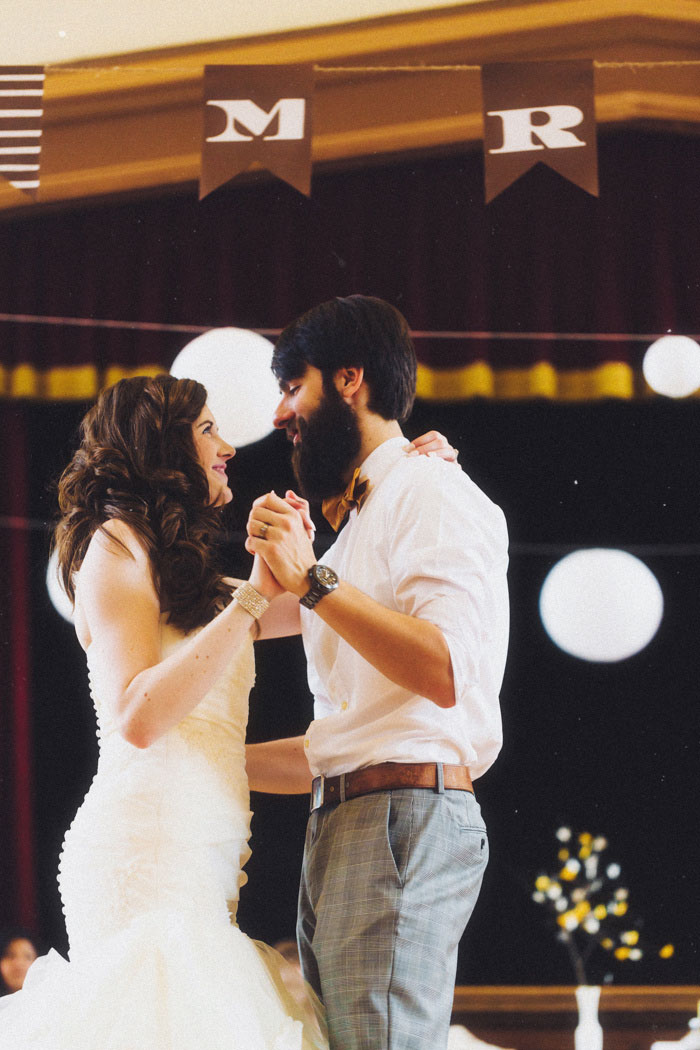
[152, 864]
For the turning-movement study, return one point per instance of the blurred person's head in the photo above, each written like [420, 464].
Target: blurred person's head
[291, 974]
[288, 949]
[17, 953]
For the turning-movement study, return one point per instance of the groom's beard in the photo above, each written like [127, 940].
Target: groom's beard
[330, 441]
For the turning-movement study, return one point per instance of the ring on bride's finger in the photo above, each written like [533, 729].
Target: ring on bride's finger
[263, 530]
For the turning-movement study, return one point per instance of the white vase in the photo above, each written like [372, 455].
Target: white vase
[588, 1034]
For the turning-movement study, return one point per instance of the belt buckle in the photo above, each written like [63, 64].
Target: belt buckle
[317, 790]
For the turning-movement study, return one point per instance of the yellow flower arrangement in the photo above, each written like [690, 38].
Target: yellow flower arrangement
[588, 902]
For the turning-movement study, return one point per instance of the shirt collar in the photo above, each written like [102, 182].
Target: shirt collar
[380, 461]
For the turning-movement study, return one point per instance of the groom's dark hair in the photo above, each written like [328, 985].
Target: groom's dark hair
[361, 332]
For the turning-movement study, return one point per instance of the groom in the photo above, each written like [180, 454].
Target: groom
[405, 629]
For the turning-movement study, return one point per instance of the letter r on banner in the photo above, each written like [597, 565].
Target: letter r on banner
[530, 111]
[519, 132]
[257, 117]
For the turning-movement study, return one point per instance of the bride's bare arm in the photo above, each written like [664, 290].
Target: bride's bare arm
[120, 618]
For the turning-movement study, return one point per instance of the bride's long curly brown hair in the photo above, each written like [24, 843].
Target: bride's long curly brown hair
[137, 462]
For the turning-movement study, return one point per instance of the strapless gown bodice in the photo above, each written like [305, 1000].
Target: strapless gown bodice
[155, 806]
[149, 876]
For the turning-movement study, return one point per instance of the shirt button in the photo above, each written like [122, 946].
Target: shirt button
[344, 705]
[306, 742]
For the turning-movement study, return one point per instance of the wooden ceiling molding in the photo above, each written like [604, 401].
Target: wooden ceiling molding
[131, 123]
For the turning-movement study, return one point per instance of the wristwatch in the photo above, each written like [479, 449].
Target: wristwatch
[322, 581]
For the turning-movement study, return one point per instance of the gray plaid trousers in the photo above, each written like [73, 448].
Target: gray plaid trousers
[388, 884]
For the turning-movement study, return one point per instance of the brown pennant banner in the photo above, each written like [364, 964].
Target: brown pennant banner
[257, 117]
[21, 110]
[539, 112]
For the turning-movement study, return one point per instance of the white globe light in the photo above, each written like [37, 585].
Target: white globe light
[59, 599]
[601, 605]
[671, 366]
[242, 393]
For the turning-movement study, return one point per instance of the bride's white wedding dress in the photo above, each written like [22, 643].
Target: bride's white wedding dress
[149, 877]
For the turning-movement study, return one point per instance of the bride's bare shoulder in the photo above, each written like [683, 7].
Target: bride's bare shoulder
[118, 537]
[115, 571]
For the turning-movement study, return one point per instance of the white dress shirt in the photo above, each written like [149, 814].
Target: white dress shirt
[427, 542]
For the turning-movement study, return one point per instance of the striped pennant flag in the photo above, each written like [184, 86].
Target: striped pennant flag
[21, 110]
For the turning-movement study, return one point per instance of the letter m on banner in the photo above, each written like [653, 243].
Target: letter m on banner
[257, 117]
[21, 110]
[539, 112]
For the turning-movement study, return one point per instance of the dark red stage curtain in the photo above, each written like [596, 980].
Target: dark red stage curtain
[17, 868]
[543, 257]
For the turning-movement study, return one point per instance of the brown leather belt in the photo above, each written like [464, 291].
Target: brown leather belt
[387, 777]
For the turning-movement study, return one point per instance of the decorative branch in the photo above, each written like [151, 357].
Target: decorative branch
[587, 902]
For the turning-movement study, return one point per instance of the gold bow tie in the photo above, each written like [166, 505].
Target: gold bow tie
[336, 508]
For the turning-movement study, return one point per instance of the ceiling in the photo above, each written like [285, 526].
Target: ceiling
[70, 30]
[405, 80]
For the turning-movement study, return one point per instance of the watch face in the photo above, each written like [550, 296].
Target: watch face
[323, 580]
[325, 576]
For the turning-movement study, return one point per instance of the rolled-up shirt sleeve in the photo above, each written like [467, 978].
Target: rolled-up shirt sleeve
[448, 561]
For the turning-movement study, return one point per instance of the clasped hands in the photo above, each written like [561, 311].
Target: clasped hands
[280, 535]
[281, 532]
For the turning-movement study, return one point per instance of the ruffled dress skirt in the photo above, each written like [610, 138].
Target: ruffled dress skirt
[149, 877]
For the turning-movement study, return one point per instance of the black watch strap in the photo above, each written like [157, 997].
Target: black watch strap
[311, 598]
[322, 581]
